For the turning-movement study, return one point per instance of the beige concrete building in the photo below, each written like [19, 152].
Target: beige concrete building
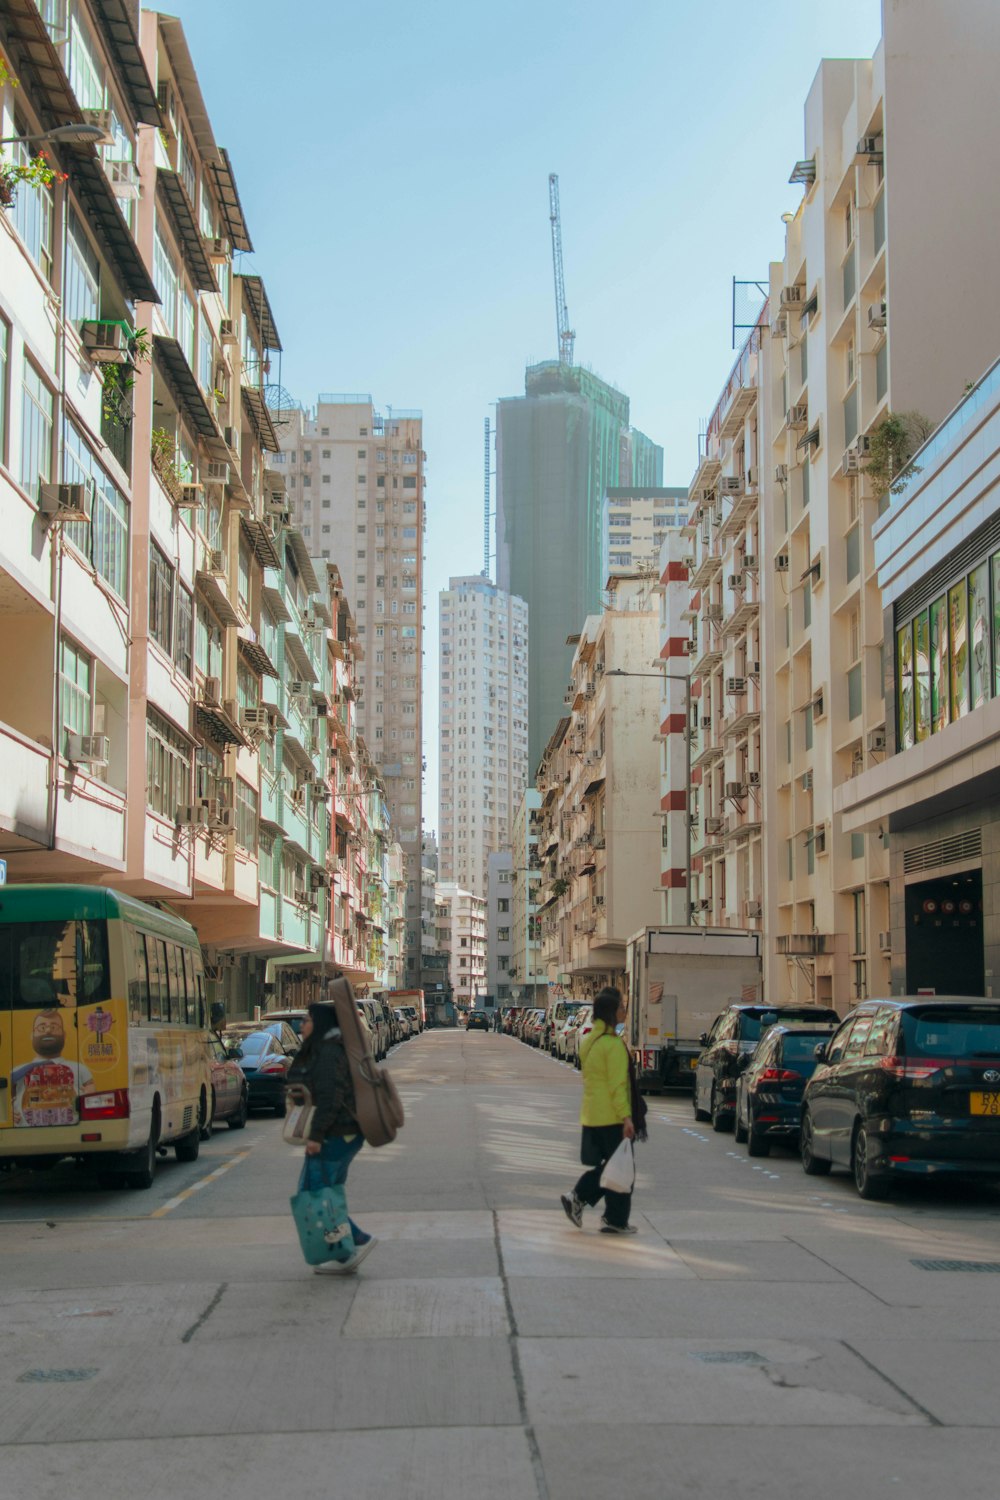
[355, 480]
[462, 934]
[599, 837]
[872, 310]
[528, 978]
[483, 725]
[634, 525]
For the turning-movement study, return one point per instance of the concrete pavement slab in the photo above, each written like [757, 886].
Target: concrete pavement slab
[304, 1379]
[588, 1462]
[768, 1381]
[473, 1308]
[423, 1464]
[954, 1378]
[544, 1243]
[760, 1260]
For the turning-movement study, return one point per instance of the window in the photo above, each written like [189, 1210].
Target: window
[409, 482]
[852, 549]
[161, 598]
[83, 273]
[33, 213]
[166, 278]
[4, 359]
[183, 624]
[958, 622]
[246, 817]
[168, 766]
[36, 431]
[75, 689]
[105, 540]
[854, 691]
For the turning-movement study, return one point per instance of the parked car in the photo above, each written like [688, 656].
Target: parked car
[734, 1035]
[403, 1024]
[477, 1020]
[769, 1089]
[292, 1017]
[907, 1087]
[230, 1090]
[281, 1030]
[568, 1023]
[533, 1027]
[265, 1064]
[413, 1016]
[573, 1038]
[374, 1019]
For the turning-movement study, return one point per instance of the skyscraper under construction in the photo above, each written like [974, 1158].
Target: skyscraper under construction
[560, 447]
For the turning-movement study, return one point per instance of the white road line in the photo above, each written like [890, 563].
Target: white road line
[196, 1187]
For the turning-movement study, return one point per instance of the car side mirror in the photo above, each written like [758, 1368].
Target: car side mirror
[820, 1052]
[234, 1052]
[703, 1039]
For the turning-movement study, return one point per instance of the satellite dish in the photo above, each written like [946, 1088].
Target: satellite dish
[280, 404]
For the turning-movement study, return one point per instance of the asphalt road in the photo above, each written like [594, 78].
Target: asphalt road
[764, 1334]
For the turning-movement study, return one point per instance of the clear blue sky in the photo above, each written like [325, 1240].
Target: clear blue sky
[393, 164]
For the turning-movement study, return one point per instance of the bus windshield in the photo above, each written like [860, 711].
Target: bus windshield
[48, 964]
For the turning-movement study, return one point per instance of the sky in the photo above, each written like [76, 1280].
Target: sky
[393, 165]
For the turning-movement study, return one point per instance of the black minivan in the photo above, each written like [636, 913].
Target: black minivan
[906, 1087]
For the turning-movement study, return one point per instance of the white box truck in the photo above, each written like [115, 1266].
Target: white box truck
[679, 978]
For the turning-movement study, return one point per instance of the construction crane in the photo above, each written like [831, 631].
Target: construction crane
[566, 335]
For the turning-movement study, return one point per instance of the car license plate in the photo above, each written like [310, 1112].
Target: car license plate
[984, 1104]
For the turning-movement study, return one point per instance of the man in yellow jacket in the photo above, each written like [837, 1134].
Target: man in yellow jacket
[605, 1115]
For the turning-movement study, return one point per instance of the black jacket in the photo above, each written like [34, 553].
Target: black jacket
[326, 1072]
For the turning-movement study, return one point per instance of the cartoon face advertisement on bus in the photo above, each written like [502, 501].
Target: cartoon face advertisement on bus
[62, 1053]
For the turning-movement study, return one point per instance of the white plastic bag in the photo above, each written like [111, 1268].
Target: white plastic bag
[619, 1170]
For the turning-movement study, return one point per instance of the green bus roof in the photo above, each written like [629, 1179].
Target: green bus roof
[53, 903]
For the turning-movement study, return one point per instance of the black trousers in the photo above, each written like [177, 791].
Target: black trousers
[598, 1144]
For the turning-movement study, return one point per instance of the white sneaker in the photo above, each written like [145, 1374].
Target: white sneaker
[346, 1267]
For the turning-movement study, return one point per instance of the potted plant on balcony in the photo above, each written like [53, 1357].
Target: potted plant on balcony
[118, 379]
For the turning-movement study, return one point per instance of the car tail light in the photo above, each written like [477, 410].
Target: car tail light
[114, 1105]
[272, 1065]
[778, 1075]
[898, 1067]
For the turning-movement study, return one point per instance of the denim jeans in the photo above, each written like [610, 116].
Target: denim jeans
[336, 1155]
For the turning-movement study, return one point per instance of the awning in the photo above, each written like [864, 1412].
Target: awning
[116, 18]
[186, 78]
[173, 362]
[91, 180]
[170, 188]
[294, 648]
[303, 561]
[273, 597]
[260, 418]
[258, 534]
[256, 657]
[229, 202]
[593, 787]
[51, 91]
[210, 588]
[256, 297]
[217, 725]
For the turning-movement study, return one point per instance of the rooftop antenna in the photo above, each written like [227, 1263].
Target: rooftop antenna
[566, 335]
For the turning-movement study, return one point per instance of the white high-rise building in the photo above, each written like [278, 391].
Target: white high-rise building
[484, 725]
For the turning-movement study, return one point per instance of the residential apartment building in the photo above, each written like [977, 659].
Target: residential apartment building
[936, 788]
[483, 726]
[499, 926]
[559, 447]
[724, 816]
[167, 681]
[868, 318]
[462, 935]
[599, 839]
[529, 980]
[355, 482]
[634, 525]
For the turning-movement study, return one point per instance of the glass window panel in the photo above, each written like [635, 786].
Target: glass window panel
[854, 691]
[161, 598]
[922, 673]
[958, 623]
[83, 273]
[4, 358]
[904, 685]
[36, 431]
[157, 962]
[853, 552]
[939, 665]
[979, 634]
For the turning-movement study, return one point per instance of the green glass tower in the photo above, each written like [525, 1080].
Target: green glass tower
[560, 447]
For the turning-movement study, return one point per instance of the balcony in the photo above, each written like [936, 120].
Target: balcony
[803, 944]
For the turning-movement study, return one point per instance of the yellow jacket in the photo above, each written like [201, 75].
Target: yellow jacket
[604, 1064]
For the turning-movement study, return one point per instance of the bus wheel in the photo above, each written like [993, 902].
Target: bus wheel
[141, 1175]
[187, 1148]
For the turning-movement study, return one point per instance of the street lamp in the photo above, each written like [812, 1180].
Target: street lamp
[62, 135]
[686, 680]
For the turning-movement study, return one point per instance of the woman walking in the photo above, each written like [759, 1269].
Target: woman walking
[605, 1114]
[334, 1140]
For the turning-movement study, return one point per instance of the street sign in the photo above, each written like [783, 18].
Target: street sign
[3, 872]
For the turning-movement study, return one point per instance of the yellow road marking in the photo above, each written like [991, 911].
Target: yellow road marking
[196, 1187]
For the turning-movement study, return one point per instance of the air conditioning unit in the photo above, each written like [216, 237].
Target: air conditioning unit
[807, 781]
[211, 692]
[730, 484]
[692, 647]
[215, 561]
[214, 472]
[818, 704]
[298, 689]
[190, 816]
[736, 686]
[255, 720]
[231, 438]
[871, 146]
[736, 582]
[877, 316]
[124, 178]
[217, 250]
[228, 331]
[793, 296]
[754, 910]
[798, 415]
[781, 473]
[189, 497]
[850, 464]
[706, 721]
[276, 503]
[690, 563]
[876, 740]
[885, 942]
[779, 328]
[750, 562]
[754, 668]
[819, 839]
[223, 819]
[104, 120]
[64, 502]
[862, 445]
[88, 749]
[106, 343]
[753, 778]
[714, 826]
[734, 789]
[319, 879]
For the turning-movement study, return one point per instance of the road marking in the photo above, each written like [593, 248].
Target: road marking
[196, 1187]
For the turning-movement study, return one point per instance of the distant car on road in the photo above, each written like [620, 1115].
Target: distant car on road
[230, 1090]
[907, 1087]
[477, 1020]
[725, 1049]
[265, 1065]
[769, 1090]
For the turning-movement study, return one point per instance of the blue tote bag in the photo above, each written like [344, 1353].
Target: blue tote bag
[319, 1209]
